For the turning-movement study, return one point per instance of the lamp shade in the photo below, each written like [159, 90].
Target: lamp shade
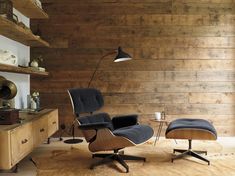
[121, 56]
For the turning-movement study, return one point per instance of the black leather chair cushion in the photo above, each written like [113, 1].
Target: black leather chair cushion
[96, 119]
[191, 124]
[136, 133]
[86, 100]
[125, 120]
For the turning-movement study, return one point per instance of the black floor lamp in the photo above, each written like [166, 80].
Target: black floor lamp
[120, 56]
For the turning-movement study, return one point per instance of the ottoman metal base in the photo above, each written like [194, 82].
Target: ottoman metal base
[190, 152]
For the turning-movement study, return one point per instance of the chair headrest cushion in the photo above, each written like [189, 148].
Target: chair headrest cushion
[86, 100]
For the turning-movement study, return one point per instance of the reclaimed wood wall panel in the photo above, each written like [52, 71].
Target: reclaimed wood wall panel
[183, 50]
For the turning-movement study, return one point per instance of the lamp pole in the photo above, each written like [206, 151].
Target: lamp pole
[98, 64]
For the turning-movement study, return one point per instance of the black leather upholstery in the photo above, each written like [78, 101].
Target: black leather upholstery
[96, 118]
[123, 121]
[126, 126]
[90, 100]
[86, 100]
[191, 124]
[96, 126]
[136, 133]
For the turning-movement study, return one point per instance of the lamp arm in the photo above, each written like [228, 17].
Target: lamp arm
[98, 64]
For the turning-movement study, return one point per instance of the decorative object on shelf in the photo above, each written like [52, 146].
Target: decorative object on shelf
[15, 18]
[41, 69]
[38, 3]
[35, 64]
[21, 24]
[8, 89]
[33, 102]
[36, 101]
[7, 57]
[6, 9]
[121, 56]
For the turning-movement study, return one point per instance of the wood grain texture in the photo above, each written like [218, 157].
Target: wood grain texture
[192, 134]
[183, 50]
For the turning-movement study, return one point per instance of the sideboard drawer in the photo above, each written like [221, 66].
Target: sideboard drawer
[21, 142]
[40, 131]
[53, 123]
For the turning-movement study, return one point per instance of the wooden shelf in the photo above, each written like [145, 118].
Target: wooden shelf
[29, 9]
[11, 30]
[22, 70]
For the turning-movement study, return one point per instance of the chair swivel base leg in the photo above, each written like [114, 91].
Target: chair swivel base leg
[196, 151]
[115, 157]
[190, 153]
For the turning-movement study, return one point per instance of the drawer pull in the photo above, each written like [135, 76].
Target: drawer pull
[24, 141]
[42, 130]
[54, 122]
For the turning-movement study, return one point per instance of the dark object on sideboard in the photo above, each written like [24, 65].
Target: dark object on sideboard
[6, 9]
[9, 116]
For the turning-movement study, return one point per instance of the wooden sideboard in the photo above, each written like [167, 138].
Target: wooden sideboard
[18, 140]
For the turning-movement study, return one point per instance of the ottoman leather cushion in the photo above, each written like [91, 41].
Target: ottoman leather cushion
[185, 123]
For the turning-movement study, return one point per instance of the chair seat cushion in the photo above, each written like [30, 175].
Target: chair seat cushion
[197, 124]
[136, 133]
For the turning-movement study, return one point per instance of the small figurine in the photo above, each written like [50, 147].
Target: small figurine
[35, 62]
[35, 101]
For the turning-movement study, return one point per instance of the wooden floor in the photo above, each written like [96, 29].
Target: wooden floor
[62, 159]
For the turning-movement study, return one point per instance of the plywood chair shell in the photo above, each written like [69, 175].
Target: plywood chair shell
[106, 141]
[191, 134]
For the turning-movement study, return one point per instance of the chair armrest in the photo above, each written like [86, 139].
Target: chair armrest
[94, 126]
[124, 121]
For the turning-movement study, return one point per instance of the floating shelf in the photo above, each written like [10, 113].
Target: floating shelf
[11, 30]
[29, 9]
[22, 70]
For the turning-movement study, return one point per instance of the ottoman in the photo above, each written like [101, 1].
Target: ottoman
[191, 129]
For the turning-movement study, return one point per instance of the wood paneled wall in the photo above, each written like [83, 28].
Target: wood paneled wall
[183, 50]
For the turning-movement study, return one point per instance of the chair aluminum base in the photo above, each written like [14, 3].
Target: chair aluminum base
[116, 156]
[190, 152]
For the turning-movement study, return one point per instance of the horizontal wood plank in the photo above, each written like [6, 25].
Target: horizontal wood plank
[183, 57]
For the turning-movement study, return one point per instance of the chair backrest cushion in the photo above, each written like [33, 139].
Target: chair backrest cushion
[86, 100]
[96, 118]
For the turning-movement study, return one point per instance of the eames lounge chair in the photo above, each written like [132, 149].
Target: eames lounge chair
[106, 134]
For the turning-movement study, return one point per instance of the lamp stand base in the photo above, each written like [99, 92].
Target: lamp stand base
[73, 141]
